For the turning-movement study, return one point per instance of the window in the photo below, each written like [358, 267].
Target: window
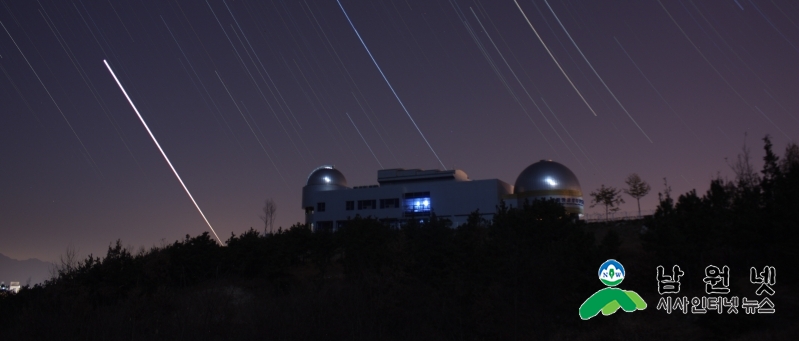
[417, 203]
[389, 203]
[350, 205]
[320, 207]
[324, 226]
[367, 204]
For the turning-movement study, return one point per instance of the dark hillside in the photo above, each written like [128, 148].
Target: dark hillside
[522, 275]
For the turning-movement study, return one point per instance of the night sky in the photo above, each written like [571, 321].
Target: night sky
[248, 97]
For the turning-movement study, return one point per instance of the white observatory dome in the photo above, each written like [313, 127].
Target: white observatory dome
[549, 180]
[326, 178]
[547, 176]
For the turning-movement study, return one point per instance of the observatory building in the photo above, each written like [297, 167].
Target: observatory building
[414, 194]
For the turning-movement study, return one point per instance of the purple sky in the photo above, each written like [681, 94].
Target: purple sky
[696, 77]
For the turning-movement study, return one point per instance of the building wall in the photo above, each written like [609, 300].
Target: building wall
[450, 199]
[572, 201]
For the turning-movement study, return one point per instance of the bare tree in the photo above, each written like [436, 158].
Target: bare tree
[610, 197]
[67, 263]
[636, 188]
[745, 173]
[270, 211]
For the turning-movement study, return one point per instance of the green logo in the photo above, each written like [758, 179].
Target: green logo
[610, 299]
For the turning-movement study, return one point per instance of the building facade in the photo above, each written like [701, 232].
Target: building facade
[414, 194]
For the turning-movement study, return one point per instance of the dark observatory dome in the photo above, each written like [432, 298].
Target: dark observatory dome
[326, 177]
[547, 176]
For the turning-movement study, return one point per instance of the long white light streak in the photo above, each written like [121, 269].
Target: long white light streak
[120, 20]
[772, 123]
[211, 98]
[373, 126]
[553, 58]
[772, 26]
[352, 80]
[658, 92]
[259, 129]
[262, 66]
[342, 66]
[322, 106]
[253, 119]
[389, 84]
[567, 132]
[97, 169]
[704, 57]
[364, 141]
[710, 24]
[251, 130]
[252, 78]
[500, 76]
[596, 73]
[162, 150]
[310, 100]
[86, 80]
[524, 88]
[725, 135]
[781, 106]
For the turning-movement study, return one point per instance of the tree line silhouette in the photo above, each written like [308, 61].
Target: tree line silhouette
[522, 274]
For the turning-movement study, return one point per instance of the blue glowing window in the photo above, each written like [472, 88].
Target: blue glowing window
[417, 202]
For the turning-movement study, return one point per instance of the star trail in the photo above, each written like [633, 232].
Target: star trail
[248, 97]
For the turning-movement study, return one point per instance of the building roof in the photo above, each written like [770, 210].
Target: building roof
[401, 175]
[327, 176]
[547, 176]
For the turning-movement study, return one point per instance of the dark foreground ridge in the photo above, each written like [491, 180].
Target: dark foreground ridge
[522, 275]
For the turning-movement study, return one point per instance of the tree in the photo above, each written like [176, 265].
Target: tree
[791, 159]
[610, 197]
[745, 174]
[666, 203]
[67, 264]
[771, 173]
[270, 211]
[636, 188]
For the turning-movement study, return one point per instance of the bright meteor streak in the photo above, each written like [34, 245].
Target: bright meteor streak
[159, 148]
[389, 85]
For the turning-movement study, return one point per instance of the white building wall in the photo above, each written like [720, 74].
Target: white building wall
[450, 199]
